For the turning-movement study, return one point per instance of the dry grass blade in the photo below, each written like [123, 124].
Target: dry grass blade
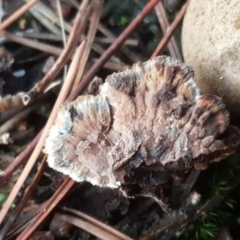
[92, 225]
[90, 36]
[62, 95]
[110, 51]
[171, 30]
[50, 205]
[24, 200]
[33, 44]
[48, 18]
[64, 40]
[163, 20]
[13, 17]
[42, 36]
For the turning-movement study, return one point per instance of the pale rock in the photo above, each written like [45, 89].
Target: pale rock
[211, 45]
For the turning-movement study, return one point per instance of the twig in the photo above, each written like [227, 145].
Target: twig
[62, 95]
[64, 38]
[128, 53]
[77, 29]
[163, 20]
[23, 221]
[90, 36]
[97, 48]
[12, 123]
[129, 42]
[18, 13]
[62, 23]
[37, 35]
[110, 51]
[8, 102]
[48, 18]
[93, 226]
[116, 67]
[1, 9]
[51, 203]
[170, 31]
[33, 44]
[52, 37]
[24, 199]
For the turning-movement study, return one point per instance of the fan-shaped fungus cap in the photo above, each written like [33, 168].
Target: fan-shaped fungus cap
[147, 123]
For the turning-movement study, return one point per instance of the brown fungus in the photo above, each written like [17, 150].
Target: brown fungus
[146, 129]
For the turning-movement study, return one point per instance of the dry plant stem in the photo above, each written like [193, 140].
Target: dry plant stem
[18, 13]
[100, 233]
[33, 44]
[39, 35]
[62, 24]
[48, 18]
[23, 221]
[24, 199]
[52, 37]
[170, 31]
[62, 95]
[116, 67]
[4, 116]
[77, 30]
[100, 50]
[44, 20]
[12, 123]
[89, 227]
[130, 42]
[90, 36]
[8, 102]
[1, 5]
[51, 203]
[110, 51]
[130, 54]
[64, 40]
[98, 224]
[163, 20]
